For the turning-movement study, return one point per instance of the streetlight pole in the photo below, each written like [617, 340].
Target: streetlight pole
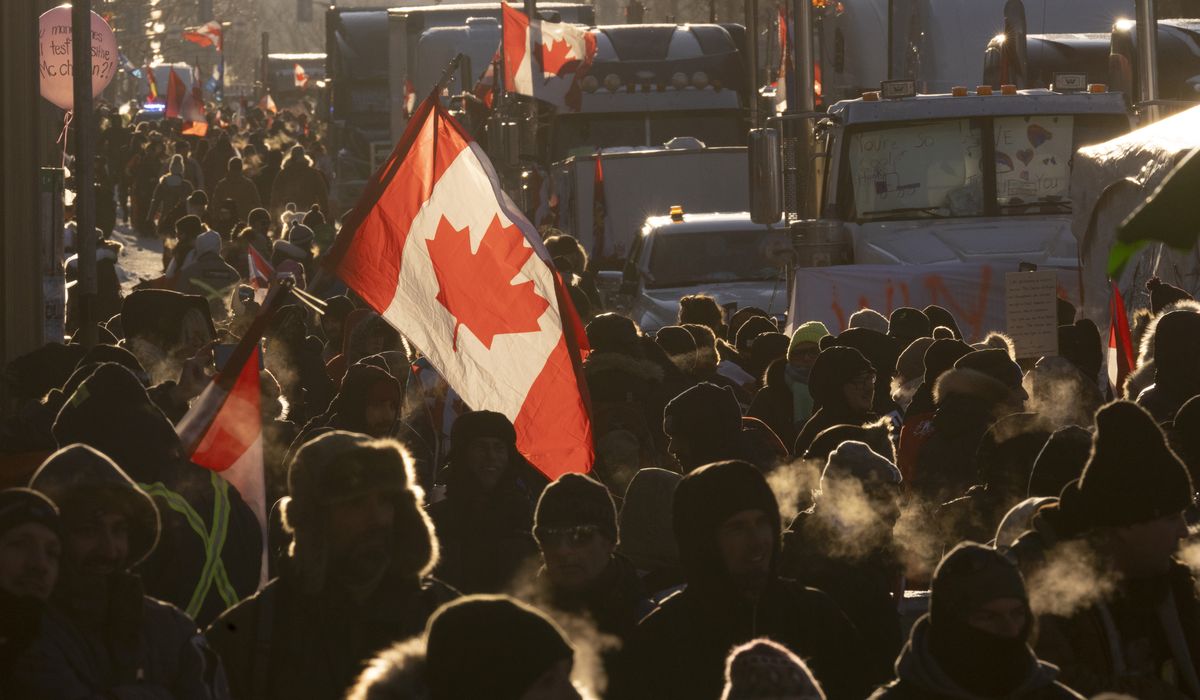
[1147, 51]
[85, 194]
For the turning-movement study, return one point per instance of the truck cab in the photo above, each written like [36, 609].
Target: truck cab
[725, 255]
[954, 178]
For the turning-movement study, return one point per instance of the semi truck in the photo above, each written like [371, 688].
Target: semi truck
[932, 198]
[639, 182]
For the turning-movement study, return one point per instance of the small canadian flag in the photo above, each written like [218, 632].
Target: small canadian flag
[267, 104]
[1120, 343]
[222, 430]
[301, 78]
[441, 252]
[546, 60]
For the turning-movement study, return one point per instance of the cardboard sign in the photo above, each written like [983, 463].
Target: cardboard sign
[1031, 306]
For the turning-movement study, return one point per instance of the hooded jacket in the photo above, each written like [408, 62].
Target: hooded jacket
[968, 402]
[485, 536]
[679, 649]
[919, 676]
[304, 635]
[124, 644]
[205, 573]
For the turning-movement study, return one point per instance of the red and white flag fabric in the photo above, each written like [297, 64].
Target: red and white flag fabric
[299, 76]
[1121, 359]
[207, 34]
[441, 252]
[599, 209]
[192, 110]
[151, 84]
[267, 104]
[546, 60]
[222, 431]
[260, 270]
[176, 91]
[485, 86]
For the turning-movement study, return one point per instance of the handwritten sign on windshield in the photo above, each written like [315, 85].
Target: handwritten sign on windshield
[913, 166]
[1031, 303]
[1033, 158]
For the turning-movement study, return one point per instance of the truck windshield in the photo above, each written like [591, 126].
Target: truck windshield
[582, 134]
[708, 257]
[941, 168]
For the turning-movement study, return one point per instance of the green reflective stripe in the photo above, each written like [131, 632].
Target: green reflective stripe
[221, 513]
[214, 542]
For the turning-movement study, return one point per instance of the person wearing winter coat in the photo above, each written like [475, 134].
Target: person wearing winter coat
[784, 403]
[294, 357]
[844, 544]
[647, 539]
[575, 527]
[727, 525]
[485, 521]
[984, 386]
[167, 202]
[255, 235]
[842, 385]
[299, 183]
[211, 541]
[479, 646]
[103, 637]
[236, 186]
[30, 550]
[1176, 346]
[1116, 530]
[356, 580]
[975, 641]
[208, 275]
[216, 162]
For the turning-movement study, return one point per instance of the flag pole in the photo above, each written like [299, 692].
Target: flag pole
[85, 195]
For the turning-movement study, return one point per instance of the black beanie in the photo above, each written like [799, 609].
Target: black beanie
[1132, 476]
[1008, 450]
[704, 500]
[1060, 462]
[1163, 295]
[751, 329]
[705, 410]
[1079, 343]
[612, 333]
[967, 578]
[21, 505]
[675, 340]
[489, 647]
[575, 499]
[835, 367]
[481, 424]
[941, 356]
[906, 324]
[939, 316]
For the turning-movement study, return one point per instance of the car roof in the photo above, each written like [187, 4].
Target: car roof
[705, 221]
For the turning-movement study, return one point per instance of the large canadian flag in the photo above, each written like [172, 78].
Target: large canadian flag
[440, 251]
[546, 60]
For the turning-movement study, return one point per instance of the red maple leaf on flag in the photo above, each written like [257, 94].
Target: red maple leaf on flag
[477, 289]
[557, 58]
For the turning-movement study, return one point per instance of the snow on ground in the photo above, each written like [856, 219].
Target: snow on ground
[140, 259]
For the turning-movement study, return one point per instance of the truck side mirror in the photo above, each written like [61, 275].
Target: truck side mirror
[766, 176]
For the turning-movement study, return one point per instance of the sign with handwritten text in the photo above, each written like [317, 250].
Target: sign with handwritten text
[1031, 309]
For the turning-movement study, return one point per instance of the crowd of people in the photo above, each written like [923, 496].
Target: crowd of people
[890, 511]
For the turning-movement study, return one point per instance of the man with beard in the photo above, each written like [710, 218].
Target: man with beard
[355, 581]
[974, 643]
[102, 637]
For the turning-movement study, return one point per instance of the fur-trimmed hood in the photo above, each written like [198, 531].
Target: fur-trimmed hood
[969, 383]
[396, 673]
[340, 465]
[598, 363]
